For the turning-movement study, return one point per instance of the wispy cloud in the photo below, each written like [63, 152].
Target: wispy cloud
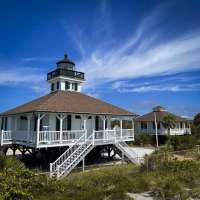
[149, 87]
[172, 83]
[143, 54]
[23, 76]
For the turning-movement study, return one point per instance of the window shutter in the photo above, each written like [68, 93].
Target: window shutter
[69, 122]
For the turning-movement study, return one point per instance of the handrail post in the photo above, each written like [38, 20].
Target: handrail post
[2, 132]
[121, 124]
[85, 135]
[57, 171]
[61, 129]
[93, 136]
[38, 130]
[115, 132]
[50, 170]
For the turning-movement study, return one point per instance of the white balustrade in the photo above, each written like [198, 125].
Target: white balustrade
[180, 131]
[68, 137]
[6, 137]
[72, 135]
[114, 135]
[52, 137]
[127, 133]
[46, 137]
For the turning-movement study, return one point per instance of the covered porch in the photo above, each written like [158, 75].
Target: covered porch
[181, 128]
[47, 129]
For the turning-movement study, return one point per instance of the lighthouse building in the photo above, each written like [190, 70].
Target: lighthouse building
[67, 118]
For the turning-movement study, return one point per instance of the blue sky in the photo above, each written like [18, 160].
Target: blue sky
[135, 54]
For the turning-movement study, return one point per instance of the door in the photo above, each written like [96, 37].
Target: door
[89, 126]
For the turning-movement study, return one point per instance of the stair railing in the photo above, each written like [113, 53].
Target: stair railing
[64, 167]
[54, 166]
[122, 145]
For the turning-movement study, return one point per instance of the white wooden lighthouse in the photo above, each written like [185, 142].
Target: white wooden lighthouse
[66, 118]
[65, 77]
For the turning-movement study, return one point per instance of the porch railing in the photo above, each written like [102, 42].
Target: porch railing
[6, 137]
[180, 131]
[114, 135]
[52, 138]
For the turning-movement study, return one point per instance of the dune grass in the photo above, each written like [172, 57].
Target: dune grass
[165, 179]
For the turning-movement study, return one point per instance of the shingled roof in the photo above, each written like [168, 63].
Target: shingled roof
[69, 102]
[160, 113]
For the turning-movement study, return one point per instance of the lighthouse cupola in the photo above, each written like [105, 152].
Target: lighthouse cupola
[64, 77]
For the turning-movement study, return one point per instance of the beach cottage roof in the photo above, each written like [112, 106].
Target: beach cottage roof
[160, 113]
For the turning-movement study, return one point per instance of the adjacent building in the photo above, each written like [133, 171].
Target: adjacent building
[147, 123]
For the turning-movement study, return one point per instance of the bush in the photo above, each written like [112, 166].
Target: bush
[143, 139]
[182, 142]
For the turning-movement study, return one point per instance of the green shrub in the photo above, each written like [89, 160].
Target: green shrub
[182, 142]
[143, 139]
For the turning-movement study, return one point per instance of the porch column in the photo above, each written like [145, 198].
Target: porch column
[104, 123]
[93, 122]
[15, 128]
[40, 116]
[121, 123]
[183, 125]
[109, 123]
[104, 127]
[84, 124]
[38, 129]
[28, 127]
[133, 128]
[61, 118]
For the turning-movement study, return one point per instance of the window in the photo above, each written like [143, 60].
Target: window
[23, 123]
[97, 123]
[181, 124]
[69, 122]
[52, 87]
[143, 125]
[4, 124]
[77, 117]
[158, 125]
[57, 124]
[75, 86]
[23, 118]
[58, 85]
[67, 85]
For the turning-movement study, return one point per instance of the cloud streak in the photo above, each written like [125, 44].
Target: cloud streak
[143, 54]
[149, 87]
[25, 76]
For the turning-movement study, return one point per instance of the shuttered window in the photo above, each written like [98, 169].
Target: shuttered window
[69, 122]
[67, 85]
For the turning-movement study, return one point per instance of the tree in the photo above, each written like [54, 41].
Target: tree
[196, 124]
[168, 122]
[196, 121]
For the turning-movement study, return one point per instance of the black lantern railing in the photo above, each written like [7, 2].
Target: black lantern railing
[65, 72]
